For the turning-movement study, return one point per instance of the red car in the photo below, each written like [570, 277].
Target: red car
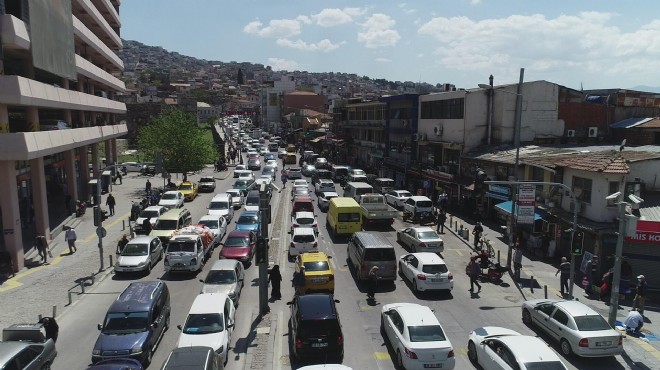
[239, 245]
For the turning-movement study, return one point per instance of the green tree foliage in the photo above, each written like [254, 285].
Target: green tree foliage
[184, 146]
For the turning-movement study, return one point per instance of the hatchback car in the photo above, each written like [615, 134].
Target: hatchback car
[218, 226]
[189, 190]
[236, 198]
[239, 245]
[303, 239]
[171, 199]
[420, 239]
[396, 198]
[324, 185]
[249, 221]
[426, 271]
[503, 349]
[416, 337]
[140, 255]
[578, 328]
[254, 164]
[308, 170]
[151, 213]
[227, 277]
[304, 219]
[315, 329]
[294, 173]
[324, 200]
[319, 274]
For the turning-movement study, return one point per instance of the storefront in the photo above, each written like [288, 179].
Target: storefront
[643, 252]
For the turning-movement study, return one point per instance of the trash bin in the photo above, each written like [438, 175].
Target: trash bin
[106, 179]
[93, 187]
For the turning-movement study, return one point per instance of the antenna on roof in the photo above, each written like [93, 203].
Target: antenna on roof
[623, 145]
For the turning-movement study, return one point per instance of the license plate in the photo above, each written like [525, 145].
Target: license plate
[433, 366]
[319, 345]
[317, 280]
[178, 267]
[603, 344]
[440, 280]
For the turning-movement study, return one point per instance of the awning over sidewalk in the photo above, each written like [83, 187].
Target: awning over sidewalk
[506, 208]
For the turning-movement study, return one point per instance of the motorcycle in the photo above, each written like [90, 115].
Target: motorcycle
[81, 207]
[494, 271]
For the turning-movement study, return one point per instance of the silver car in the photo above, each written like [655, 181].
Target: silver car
[420, 239]
[24, 347]
[226, 276]
[140, 254]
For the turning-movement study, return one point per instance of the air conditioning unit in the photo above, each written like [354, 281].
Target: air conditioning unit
[593, 131]
[437, 130]
[570, 133]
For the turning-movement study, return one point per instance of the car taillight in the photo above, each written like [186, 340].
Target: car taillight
[450, 277]
[340, 340]
[450, 354]
[620, 340]
[315, 244]
[410, 354]
[295, 225]
[584, 342]
[292, 245]
[421, 277]
[298, 343]
[422, 245]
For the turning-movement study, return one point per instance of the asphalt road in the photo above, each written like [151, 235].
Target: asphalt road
[459, 312]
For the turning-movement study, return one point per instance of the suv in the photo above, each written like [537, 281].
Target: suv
[315, 329]
[324, 185]
[207, 183]
[294, 173]
[418, 204]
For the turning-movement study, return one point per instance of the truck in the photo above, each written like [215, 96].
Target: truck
[188, 249]
[256, 133]
[375, 211]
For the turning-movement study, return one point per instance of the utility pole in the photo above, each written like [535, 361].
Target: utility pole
[514, 189]
[262, 248]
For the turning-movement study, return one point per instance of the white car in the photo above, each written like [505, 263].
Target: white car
[357, 172]
[324, 200]
[271, 163]
[239, 167]
[426, 271]
[324, 185]
[303, 239]
[294, 173]
[218, 226]
[304, 219]
[578, 328]
[326, 367]
[503, 349]
[236, 198]
[281, 153]
[210, 323]
[420, 239]
[396, 198]
[171, 199]
[416, 337]
[132, 166]
[151, 213]
[300, 182]
[226, 276]
[140, 254]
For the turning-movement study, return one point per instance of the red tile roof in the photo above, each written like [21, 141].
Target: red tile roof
[606, 162]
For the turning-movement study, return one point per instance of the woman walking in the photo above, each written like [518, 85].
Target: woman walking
[274, 277]
[373, 282]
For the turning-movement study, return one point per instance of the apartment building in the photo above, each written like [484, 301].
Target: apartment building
[59, 72]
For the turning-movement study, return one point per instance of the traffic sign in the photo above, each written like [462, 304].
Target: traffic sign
[101, 232]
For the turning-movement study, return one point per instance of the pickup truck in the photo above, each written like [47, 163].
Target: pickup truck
[188, 249]
[375, 212]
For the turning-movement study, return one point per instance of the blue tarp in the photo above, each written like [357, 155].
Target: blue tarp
[506, 208]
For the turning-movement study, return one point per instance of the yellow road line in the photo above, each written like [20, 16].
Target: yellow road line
[382, 356]
[14, 282]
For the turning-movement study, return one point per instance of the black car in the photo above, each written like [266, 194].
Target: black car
[321, 174]
[315, 330]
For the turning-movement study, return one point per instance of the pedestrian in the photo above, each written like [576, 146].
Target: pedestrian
[442, 200]
[51, 327]
[185, 176]
[299, 281]
[120, 178]
[110, 202]
[41, 244]
[68, 204]
[517, 263]
[565, 271]
[373, 282]
[475, 272]
[122, 243]
[274, 277]
[148, 187]
[146, 226]
[634, 322]
[70, 237]
[640, 294]
[591, 268]
[284, 177]
[477, 232]
[442, 218]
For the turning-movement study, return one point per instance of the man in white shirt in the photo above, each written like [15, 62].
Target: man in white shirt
[634, 322]
[70, 237]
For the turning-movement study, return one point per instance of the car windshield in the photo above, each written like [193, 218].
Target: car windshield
[435, 269]
[233, 193]
[135, 250]
[405, 194]
[424, 204]
[268, 170]
[546, 365]
[305, 220]
[211, 224]
[203, 323]
[185, 187]
[240, 183]
[149, 213]
[207, 179]
[168, 196]
[219, 205]
[316, 266]
[424, 235]
[359, 172]
[426, 333]
[236, 242]
[252, 201]
[165, 225]
[247, 220]
[591, 323]
[220, 277]
[303, 238]
[176, 246]
[348, 217]
[379, 254]
[126, 322]
[389, 183]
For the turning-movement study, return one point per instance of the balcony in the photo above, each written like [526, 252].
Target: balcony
[106, 8]
[89, 38]
[87, 12]
[89, 70]
[13, 33]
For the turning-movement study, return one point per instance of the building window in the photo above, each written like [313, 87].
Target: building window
[538, 174]
[613, 188]
[443, 109]
[582, 189]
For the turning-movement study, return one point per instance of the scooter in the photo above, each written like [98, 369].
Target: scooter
[81, 207]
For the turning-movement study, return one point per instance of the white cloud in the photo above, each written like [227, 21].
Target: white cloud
[404, 8]
[277, 28]
[331, 17]
[378, 31]
[383, 60]
[279, 64]
[324, 45]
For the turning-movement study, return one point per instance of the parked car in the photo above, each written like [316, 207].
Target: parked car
[226, 277]
[324, 199]
[396, 198]
[578, 328]
[498, 348]
[140, 255]
[416, 337]
[426, 271]
[171, 199]
[239, 245]
[132, 166]
[24, 346]
[315, 329]
[319, 275]
[420, 239]
[193, 357]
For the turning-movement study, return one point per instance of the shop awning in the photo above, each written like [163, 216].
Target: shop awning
[499, 196]
[506, 208]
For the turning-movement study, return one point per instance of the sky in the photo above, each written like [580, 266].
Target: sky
[588, 44]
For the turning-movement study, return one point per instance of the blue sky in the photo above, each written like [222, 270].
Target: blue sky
[593, 43]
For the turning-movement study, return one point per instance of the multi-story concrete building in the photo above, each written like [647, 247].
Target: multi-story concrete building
[58, 75]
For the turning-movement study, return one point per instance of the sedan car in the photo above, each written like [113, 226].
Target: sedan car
[319, 275]
[139, 255]
[151, 213]
[305, 219]
[254, 164]
[308, 170]
[17, 351]
[324, 200]
[577, 327]
[502, 349]
[240, 245]
[271, 163]
[269, 171]
[236, 198]
[324, 185]
[242, 185]
[218, 226]
[132, 166]
[426, 271]
[396, 198]
[171, 199]
[249, 221]
[227, 277]
[294, 173]
[302, 240]
[299, 191]
[281, 153]
[416, 337]
[321, 163]
[189, 190]
[270, 156]
[239, 167]
[207, 183]
[420, 239]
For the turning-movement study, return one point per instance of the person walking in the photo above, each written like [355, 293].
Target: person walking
[110, 202]
[148, 187]
[41, 244]
[284, 178]
[120, 178]
[442, 218]
[640, 294]
[475, 271]
[146, 226]
[70, 237]
[517, 262]
[591, 269]
[299, 281]
[274, 277]
[477, 232]
[51, 327]
[373, 282]
[565, 271]
[121, 244]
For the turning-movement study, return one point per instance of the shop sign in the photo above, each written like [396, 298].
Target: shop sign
[526, 204]
[648, 232]
[500, 189]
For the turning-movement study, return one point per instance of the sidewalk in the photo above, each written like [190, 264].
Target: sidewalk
[645, 349]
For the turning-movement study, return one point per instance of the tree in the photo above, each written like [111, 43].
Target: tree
[174, 134]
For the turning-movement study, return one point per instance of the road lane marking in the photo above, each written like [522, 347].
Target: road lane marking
[14, 282]
[382, 356]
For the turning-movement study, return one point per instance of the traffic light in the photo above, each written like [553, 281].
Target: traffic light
[578, 243]
[479, 186]
[262, 251]
[97, 216]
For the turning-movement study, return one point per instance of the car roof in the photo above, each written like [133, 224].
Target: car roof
[208, 302]
[419, 197]
[328, 193]
[326, 180]
[224, 264]
[317, 306]
[187, 182]
[313, 256]
[172, 192]
[153, 208]
[142, 239]
[415, 314]
[210, 217]
[250, 213]
[187, 357]
[304, 214]
[11, 348]
[576, 308]
[303, 231]
[207, 178]
[233, 191]
[528, 348]
[428, 258]
[422, 228]
[239, 233]
[220, 196]
[138, 296]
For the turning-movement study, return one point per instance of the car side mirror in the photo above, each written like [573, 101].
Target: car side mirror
[201, 281]
[179, 327]
[99, 326]
[229, 326]
[289, 303]
[337, 301]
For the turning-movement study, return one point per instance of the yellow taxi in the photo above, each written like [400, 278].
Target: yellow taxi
[189, 190]
[319, 275]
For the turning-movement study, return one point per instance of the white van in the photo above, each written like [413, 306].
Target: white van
[222, 205]
[356, 189]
